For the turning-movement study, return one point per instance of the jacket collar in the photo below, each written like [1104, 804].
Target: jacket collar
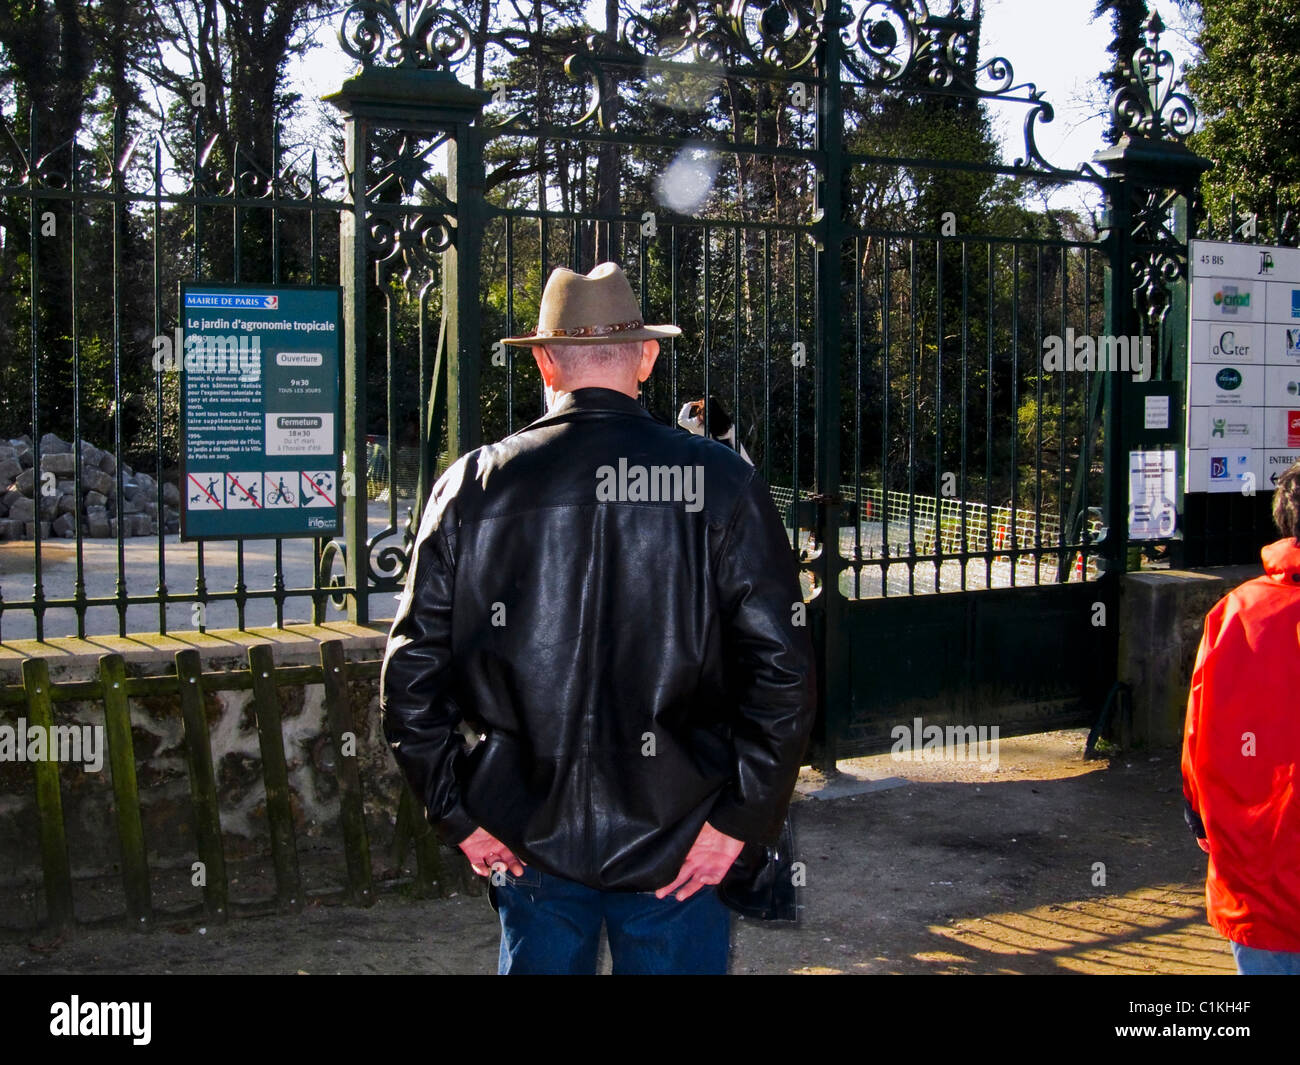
[1282, 561]
[591, 399]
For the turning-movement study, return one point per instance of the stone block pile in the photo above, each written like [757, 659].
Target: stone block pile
[50, 498]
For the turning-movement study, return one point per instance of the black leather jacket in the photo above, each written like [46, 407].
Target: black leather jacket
[634, 665]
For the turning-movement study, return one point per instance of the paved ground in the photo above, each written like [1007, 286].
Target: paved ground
[137, 570]
[912, 868]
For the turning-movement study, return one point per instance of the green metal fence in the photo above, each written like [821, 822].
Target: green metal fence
[812, 192]
[89, 346]
[777, 180]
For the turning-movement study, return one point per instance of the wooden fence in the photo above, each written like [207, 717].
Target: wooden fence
[38, 694]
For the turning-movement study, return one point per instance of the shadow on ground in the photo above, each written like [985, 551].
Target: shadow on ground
[934, 868]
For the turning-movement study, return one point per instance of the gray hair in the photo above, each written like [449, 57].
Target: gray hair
[575, 358]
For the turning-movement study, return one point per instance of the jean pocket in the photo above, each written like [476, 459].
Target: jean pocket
[531, 878]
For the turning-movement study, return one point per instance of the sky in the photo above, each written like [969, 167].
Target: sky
[1055, 44]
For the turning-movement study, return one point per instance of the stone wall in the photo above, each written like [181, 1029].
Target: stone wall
[1162, 616]
[158, 739]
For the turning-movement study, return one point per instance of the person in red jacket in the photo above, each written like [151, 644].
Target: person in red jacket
[1241, 748]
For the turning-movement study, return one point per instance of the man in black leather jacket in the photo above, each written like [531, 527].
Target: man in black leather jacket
[612, 606]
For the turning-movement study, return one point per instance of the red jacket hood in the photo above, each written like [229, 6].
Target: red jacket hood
[1282, 561]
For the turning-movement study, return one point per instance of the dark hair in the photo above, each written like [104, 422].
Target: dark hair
[1286, 504]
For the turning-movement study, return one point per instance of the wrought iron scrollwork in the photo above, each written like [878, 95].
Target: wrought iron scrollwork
[1150, 103]
[890, 42]
[777, 33]
[54, 169]
[410, 237]
[250, 180]
[886, 44]
[1154, 275]
[334, 552]
[400, 165]
[400, 232]
[1041, 110]
[407, 221]
[1161, 259]
[883, 41]
[425, 35]
[299, 178]
[901, 44]
[386, 568]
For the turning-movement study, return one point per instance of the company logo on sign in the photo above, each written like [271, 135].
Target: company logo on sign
[226, 299]
[1228, 299]
[1223, 429]
[1228, 379]
[1293, 428]
[1227, 345]
[1293, 343]
[1218, 467]
[1295, 303]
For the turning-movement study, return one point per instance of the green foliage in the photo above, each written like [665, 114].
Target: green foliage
[78, 83]
[1246, 88]
[1127, 19]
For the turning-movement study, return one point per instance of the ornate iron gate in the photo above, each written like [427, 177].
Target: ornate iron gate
[814, 194]
[769, 176]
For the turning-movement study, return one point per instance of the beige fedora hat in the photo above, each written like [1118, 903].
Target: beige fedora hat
[594, 308]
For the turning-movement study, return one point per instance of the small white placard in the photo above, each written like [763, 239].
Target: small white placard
[1157, 412]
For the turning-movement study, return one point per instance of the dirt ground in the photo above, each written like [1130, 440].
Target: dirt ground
[912, 867]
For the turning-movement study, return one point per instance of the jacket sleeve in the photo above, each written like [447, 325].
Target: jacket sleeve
[420, 717]
[770, 668]
[1193, 729]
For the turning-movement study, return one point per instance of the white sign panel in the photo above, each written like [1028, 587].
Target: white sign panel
[300, 434]
[1243, 373]
[1152, 513]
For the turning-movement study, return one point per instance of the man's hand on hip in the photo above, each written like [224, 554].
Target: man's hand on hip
[707, 862]
[485, 852]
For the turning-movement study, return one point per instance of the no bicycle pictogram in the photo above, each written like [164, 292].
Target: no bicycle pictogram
[278, 490]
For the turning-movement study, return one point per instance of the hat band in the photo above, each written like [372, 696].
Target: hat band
[592, 330]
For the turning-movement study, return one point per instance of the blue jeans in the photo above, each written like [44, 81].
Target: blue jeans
[551, 925]
[1251, 961]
